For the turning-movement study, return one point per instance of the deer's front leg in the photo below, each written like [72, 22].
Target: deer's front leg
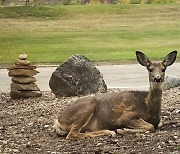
[160, 124]
[136, 126]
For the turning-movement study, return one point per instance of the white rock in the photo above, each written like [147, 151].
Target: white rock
[4, 142]
[15, 150]
[22, 56]
[46, 126]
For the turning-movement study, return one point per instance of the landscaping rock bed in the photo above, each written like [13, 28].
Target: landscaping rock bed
[26, 128]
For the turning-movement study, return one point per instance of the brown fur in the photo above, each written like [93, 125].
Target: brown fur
[135, 111]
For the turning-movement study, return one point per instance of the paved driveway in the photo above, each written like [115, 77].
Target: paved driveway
[132, 76]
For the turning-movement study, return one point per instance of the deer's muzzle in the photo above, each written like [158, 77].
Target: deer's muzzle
[157, 79]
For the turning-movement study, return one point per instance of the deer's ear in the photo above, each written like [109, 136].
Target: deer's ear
[170, 58]
[142, 58]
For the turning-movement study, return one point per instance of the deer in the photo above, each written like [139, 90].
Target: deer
[120, 112]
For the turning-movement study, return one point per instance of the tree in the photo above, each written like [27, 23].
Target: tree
[27, 2]
[3, 2]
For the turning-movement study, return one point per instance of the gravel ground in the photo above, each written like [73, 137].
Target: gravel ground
[26, 128]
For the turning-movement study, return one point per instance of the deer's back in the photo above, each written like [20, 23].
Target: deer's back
[109, 110]
[114, 109]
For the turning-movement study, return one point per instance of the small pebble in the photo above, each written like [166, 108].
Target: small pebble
[46, 126]
[4, 142]
[15, 150]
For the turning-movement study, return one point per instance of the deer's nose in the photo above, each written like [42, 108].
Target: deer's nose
[157, 79]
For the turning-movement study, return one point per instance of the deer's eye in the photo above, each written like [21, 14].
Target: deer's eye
[150, 70]
[163, 70]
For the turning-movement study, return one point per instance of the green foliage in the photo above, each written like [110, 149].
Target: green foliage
[147, 1]
[31, 12]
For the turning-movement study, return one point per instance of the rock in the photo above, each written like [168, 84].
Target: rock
[115, 141]
[31, 67]
[22, 57]
[177, 111]
[4, 142]
[171, 82]
[22, 62]
[23, 83]
[21, 79]
[22, 72]
[77, 76]
[15, 94]
[46, 126]
[15, 150]
[24, 87]
[25, 114]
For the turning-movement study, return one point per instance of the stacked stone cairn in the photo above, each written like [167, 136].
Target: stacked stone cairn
[23, 83]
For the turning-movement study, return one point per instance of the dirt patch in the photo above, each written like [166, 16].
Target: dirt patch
[26, 128]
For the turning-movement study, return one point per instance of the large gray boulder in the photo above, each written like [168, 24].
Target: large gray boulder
[77, 76]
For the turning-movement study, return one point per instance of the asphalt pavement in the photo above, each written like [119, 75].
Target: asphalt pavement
[133, 76]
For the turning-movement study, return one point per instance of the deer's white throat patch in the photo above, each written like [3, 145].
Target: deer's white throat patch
[156, 85]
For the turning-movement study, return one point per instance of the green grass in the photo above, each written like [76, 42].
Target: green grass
[51, 34]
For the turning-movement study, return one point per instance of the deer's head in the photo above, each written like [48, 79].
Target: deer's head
[156, 69]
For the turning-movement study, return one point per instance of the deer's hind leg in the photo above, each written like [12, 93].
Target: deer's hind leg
[82, 119]
[137, 126]
[77, 126]
[75, 131]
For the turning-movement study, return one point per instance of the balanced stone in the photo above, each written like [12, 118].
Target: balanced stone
[22, 72]
[24, 80]
[22, 57]
[22, 62]
[15, 94]
[31, 67]
[21, 87]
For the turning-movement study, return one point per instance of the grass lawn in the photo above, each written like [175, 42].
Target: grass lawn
[51, 34]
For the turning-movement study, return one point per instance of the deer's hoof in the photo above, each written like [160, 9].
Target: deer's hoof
[113, 134]
[160, 125]
[120, 131]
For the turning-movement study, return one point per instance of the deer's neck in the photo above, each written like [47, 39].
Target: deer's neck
[154, 97]
[153, 102]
